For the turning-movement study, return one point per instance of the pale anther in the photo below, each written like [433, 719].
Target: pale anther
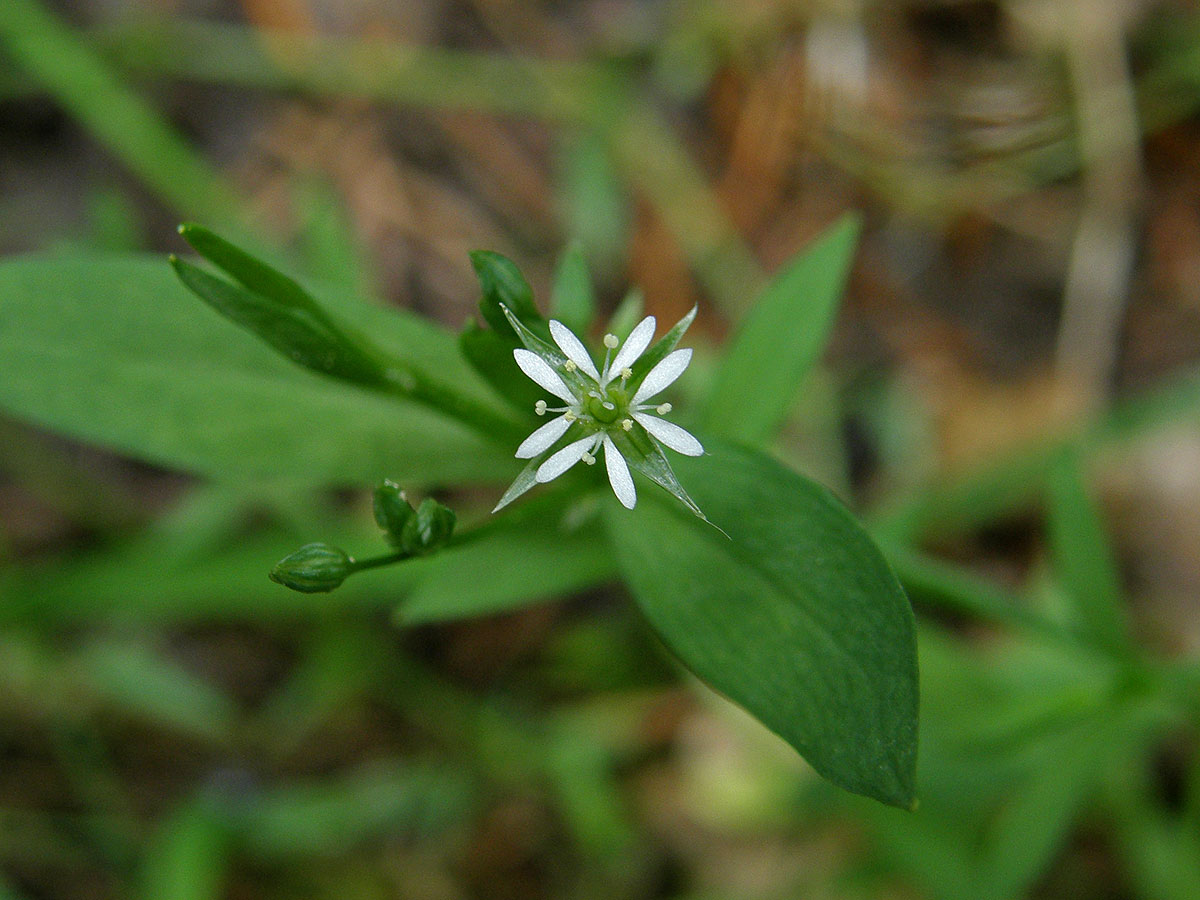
[570, 366]
[589, 459]
[627, 424]
[611, 341]
[570, 416]
[540, 407]
[663, 409]
[626, 373]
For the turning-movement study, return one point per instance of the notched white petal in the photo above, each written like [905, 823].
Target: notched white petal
[573, 348]
[542, 438]
[618, 474]
[664, 374]
[540, 372]
[563, 459]
[635, 345]
[670, 435]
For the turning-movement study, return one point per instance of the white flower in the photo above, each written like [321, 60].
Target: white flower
[607, 408]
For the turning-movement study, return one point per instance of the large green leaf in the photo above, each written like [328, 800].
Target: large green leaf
[796, 615]
[113, 350]
[780, 339]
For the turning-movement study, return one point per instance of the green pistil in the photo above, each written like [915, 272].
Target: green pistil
[603, 410]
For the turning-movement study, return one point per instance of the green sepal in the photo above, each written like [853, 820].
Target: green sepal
[644, 455]
[295, 331]
[502, 284]
[534, 343]
[313, 569]
[525, 481]
[428, 529]
[392, 511]
[490, 354]
[658, 352]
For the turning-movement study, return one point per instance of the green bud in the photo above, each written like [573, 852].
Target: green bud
[392, 511]
[429, 529]
[313, 569]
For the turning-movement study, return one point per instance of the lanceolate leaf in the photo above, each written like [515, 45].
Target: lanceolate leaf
[295, 331]
[795, 615]
[780, 339]
[572, 299]
[114, 350]
[501, 282]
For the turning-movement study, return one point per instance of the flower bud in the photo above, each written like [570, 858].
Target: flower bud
[392, 512]
[429, 529]
[313, 569]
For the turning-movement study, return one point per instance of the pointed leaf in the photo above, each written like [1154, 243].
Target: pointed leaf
[116, 351]
[796, 615]
[249, 271]
[780, 339]
[1083, 556]
[294, 331]
[502, 283]
[572, 298]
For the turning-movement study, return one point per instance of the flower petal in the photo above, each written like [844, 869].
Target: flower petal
[573, 348]
[635, 345]
[541, 373]
[670, 434]
[545, 436]
[618, 474]
[564, 459]
[663, 375]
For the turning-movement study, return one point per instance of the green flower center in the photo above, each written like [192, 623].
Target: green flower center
[603, 410]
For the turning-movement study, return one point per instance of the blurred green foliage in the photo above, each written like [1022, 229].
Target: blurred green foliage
[355, 766]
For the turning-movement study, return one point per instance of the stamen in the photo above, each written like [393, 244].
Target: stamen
[570, 366]
[589, 459]
[626, 373]
[627, 424]
[570, 416]
[540, 407]
[664, 408]
[611, 341]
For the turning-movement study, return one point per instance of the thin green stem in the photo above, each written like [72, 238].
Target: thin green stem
[404, 381]
[374, 562]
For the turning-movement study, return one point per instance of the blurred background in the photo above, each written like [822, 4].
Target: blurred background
[1028, 177]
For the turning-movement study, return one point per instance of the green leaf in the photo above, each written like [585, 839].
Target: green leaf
[780, 339]
[296, 332]
[1083, 557]
[572, 297]
[503, 284]
[81, 80]
[491, 355]
[795, 616]
[331, 815]
[113, 350]
[187, 858]
[136, 678]
[252, 273]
